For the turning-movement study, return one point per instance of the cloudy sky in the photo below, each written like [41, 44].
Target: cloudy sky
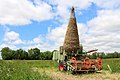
[42, 23]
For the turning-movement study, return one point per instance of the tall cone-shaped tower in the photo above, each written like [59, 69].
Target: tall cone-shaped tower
[71, 41]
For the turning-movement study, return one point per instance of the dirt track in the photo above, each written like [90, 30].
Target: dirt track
[57, 75]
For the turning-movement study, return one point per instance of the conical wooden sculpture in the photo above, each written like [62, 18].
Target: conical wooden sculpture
[71, 42]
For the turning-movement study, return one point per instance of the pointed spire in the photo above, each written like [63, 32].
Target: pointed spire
[72, 13]
[71, 42]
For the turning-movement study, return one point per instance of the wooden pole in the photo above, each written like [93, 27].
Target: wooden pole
[109, 68]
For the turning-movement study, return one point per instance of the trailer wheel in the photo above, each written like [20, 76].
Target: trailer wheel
[62, 66]
[73, 72]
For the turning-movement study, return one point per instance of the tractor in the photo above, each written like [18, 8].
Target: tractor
[78, 62]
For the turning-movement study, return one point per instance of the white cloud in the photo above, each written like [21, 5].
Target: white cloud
[56, 36]
[82, 29]
[34, 41]
[62, 7]
[107, 20]
[104, 31]
[20, 12]
[42, 47]
[68, 3]
[108, 4]
[19, 41]
[12, 37]
[7, 45]
[57, 33]
[37, 40]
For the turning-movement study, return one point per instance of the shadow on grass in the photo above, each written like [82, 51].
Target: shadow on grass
[83, 72]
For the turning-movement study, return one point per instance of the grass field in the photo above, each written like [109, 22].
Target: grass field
[114, 64]
[22, 69]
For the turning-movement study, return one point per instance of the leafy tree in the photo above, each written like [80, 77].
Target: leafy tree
[116, 55]
[102, 55]
[7, 53]
[94, 55]
[34, 54]
[20, 54]
[47, 55]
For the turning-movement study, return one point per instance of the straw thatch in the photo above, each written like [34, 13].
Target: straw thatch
[71, 42]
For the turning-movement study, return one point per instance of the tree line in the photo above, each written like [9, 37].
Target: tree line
[104, 55]
[20, 54]
[35, 54]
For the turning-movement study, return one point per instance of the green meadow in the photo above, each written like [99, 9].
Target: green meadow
[23, 69]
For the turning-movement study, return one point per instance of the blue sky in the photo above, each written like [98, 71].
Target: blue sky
[42, 23]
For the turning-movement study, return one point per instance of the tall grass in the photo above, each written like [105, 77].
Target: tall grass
[22, 70]
[114, 64]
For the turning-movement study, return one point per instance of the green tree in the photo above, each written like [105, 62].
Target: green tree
[47, 55]
[102, 55]
[94, 55]
[34, 54]
[20, 54]
[7, 53]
